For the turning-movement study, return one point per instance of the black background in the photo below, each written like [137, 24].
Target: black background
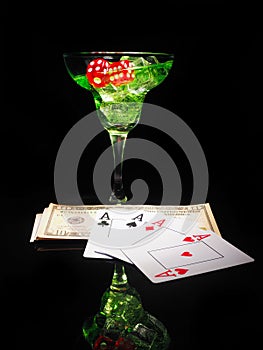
[48, 295]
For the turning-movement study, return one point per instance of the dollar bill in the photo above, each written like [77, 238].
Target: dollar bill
[75, 222]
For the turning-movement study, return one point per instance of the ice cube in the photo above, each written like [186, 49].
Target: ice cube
[152, 60]
[140, 62]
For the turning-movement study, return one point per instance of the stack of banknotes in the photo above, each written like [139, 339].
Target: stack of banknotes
[69, 226]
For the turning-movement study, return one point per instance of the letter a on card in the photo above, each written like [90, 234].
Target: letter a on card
[159, 222]
[168, 273]
[105, 216]
[200, 237]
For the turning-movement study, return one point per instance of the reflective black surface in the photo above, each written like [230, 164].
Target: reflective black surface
[48, 296]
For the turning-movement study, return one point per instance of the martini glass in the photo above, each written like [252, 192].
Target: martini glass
[119, 82]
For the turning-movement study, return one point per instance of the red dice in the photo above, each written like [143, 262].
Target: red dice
[100, 73]
[97, 73]
[121, 72]
[104, 343]
[124, 344]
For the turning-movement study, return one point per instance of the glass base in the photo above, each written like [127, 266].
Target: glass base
[118, 197]
[122, 323]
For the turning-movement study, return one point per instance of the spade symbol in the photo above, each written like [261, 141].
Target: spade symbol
[132, 224]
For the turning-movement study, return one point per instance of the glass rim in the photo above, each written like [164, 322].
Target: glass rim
[124, 53]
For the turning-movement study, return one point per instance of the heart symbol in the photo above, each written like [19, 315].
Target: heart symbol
[188, 239]
[186, 254]
[181, 271]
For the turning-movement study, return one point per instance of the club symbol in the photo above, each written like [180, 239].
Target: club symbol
[103, 223]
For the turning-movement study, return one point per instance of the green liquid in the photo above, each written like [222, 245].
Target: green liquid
[119, 107]
[122, 316]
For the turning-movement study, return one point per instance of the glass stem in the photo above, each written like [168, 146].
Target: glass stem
[118, 142]
[119, 280]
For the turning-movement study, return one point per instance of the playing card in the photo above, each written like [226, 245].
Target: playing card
[114, 228]
[174, 255]
[122, 218]
[95, 251]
